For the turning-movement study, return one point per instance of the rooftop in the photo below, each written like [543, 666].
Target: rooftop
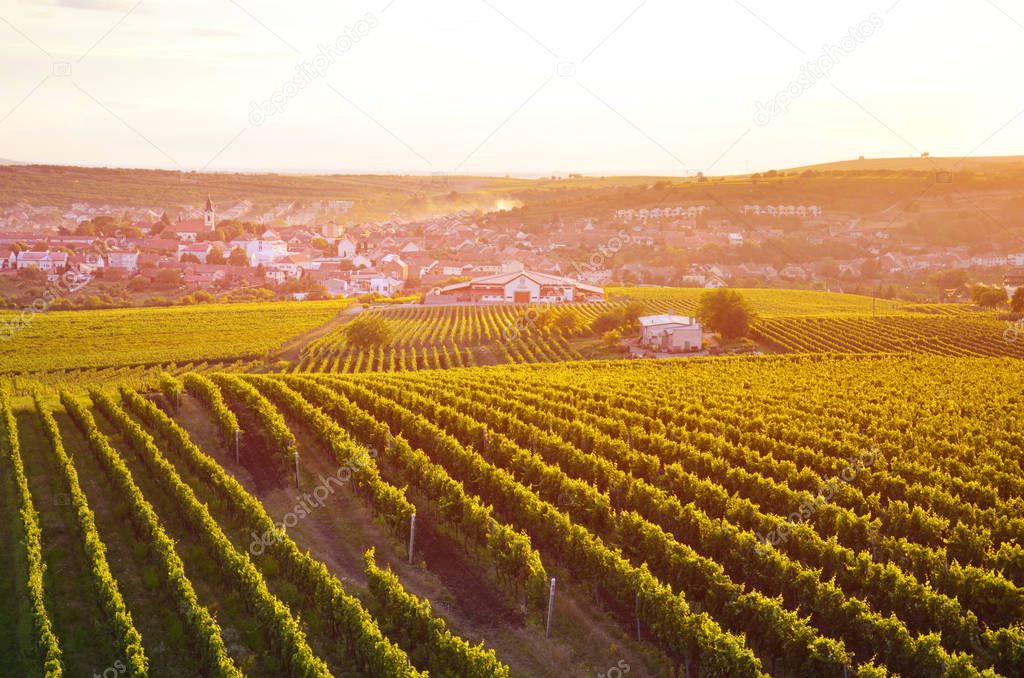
[666, 319]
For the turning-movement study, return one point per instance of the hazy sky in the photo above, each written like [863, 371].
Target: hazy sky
[496, 86]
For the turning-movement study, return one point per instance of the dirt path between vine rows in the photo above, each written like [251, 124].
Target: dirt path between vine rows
[293, 348]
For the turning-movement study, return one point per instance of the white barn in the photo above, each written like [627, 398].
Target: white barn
[519, 287]
[671, 333]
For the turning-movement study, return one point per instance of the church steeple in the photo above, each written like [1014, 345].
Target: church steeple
[208, 215]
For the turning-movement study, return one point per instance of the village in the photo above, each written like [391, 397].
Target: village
[309, 250]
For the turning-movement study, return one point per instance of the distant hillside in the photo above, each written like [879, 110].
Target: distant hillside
[377, 197]
[883, 188]
[919, 164]
[5, 161]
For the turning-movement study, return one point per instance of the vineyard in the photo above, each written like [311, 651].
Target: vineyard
[768, 303]
[79, 349]
[788, 321]
[453, 336]
[939, 335]
[65, 340]
[812, 515]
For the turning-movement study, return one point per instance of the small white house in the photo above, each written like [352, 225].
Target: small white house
[336, 287]
[126, 260]
[671, 333]
[385, 285]
[261, 252]
[346, 248]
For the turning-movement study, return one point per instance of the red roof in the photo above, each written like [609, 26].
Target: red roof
[502, 279]
[186, 226]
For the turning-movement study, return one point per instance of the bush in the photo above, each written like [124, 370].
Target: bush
[368, 331]
[623, 319]
[611, 338]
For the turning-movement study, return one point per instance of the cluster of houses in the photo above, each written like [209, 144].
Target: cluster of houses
[627, 216]
[324, 255]
[781, 210]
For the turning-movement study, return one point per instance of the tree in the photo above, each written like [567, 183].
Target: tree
[321, 244]
[830, 269]
[368, 331]
[726, 311]
[189, 259]
[238, 257]
[949, 278]
[166, 278]
[988, 297]
[216, 256]
[870, 269]
[1017, 302]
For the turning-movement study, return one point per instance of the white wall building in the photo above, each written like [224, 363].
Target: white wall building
[261, 252]
[521, 287]
[671, 333]
[346, 248]
[126, 260]
[43, 261]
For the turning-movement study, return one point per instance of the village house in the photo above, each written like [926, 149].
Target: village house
[8, 259]
[393, 266]
[125, 260]
[199, 250]
[336, 287]
[88, 263]
[292, 265]
[375, 282]
[260, 252]
[50, 262]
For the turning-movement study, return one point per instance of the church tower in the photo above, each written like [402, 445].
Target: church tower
[208, 217]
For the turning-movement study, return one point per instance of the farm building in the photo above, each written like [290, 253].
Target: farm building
[671, 333]
[519, 287]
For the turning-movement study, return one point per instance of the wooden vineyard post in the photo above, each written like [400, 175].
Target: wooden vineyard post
[177, 401]
[296, 452]
[636, 608]
[551, 608]
[237, 432]
[412, 535]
